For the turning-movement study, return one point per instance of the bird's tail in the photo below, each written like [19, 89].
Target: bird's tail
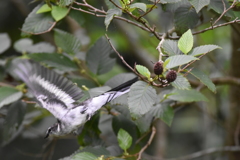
[97, 102]
[120, 90]
[125, 85]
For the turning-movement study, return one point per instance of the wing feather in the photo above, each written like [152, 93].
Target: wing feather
[43, 81]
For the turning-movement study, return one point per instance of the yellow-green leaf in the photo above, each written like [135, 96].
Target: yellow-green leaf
[43, 9]
[59, 13]
[185, 43]
[143, 70]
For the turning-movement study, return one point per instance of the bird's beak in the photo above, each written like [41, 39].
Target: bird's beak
[47, 133]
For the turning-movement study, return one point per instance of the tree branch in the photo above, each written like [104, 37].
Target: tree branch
[155, 3]
[148, 143]
[144, 25]
[94, 12]
[133, 69]
[225, 10]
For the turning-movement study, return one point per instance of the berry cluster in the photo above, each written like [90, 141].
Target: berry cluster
[170, 76]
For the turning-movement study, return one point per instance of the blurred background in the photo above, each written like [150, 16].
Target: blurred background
[195, 127]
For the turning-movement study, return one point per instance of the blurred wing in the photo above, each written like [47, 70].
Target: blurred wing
[45, 84]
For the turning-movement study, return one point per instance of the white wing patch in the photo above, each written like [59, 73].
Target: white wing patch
[60, 94]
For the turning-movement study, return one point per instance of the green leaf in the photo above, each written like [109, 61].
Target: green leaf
[144, 122]
[26, 45]
[13, 119]
[80, 81]
[37, 23]
[185, 43]
[170, 47]
[98, 58]
[77, 16]
[185, 17]
[59, 13]
[172, 7]
[178, 60]
[125, 3]
[217, 6]
[204, 79]
[110, 14]
[9, 95]
[57, 60]
[187, 96]
[181, 82]
[5, 42]
[141, 98]
[41, 47]
[44, 8]
[124, 139]
[22, 44]
[164, 112]
[84, 156]
[2, 73]
[122, 122]
[198, 5]
[143, 71]
[123, 110]
[96, 150]
[64, 3]
[141, 6]
[203, 49]
[67, 42]
[16, 112]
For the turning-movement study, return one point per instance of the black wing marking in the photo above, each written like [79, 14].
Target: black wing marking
[43, 81]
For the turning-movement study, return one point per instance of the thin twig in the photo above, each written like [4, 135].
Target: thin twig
[191, 63]
[119, 55]
[48, 30]
[151, 29]
[159, 46]
[225, 10]
[131, 22]
[95, 11]
[132, 69]
[148, 143]
[153, 6]
[144, 25]
[217, 26]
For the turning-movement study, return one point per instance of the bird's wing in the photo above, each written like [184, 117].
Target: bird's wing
[46, 84]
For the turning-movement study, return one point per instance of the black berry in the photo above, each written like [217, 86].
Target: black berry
[158, 68]
[171, 76]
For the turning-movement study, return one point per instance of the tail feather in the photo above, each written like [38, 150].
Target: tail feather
[125, 85]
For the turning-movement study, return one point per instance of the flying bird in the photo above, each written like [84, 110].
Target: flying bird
[61, 97]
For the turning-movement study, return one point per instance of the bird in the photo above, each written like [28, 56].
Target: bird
[60, 96]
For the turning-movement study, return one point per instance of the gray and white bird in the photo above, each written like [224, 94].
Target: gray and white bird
[60, 96]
